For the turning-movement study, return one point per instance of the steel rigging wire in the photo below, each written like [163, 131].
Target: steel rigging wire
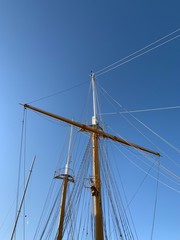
[133, 56]
[142, 110]
[114, 195]
[141, 169]
[164, 168]
[23, 130]
[168, 171]
[57, 93]
[143, 124]
[155, 203]
[75, 199]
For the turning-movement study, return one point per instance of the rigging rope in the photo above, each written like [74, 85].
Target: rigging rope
[57, 200]
[155, 204]
[47, 202]
[78, 198]
[24, 207]
[128, 120]
[156, 134]
[163, 139]
[57, 93]
[132, 57]
[172, 174]
[163, 183]
[85, 108]
[141, 110]
[115, 198]
[20, 162]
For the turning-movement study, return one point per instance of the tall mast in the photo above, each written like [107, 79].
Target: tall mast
[66, 177]
[96, 188]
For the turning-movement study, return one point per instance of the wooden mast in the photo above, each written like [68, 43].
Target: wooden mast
[62, 209]
[98, 215]
[66, 178]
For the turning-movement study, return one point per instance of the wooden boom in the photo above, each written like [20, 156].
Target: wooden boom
[91, 129]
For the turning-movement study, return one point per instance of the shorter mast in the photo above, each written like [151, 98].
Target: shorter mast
[19, 211]
[66, 177]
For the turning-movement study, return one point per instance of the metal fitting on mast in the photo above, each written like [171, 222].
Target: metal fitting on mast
[66, 172]
[94, 117]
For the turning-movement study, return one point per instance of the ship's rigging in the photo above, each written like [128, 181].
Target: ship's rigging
[100, 169]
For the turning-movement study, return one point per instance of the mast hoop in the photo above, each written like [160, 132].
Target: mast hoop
[61, 175]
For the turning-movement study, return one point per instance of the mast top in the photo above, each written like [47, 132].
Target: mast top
[94, 117]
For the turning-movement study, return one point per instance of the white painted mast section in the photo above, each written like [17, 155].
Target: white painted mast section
[94, 117]
[69, 151]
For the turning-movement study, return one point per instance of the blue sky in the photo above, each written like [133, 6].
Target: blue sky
[49, 46]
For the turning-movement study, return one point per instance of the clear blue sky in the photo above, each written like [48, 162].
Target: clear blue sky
[49, 46]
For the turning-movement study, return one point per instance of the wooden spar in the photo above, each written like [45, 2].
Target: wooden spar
[91, 129]
[18, 213]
